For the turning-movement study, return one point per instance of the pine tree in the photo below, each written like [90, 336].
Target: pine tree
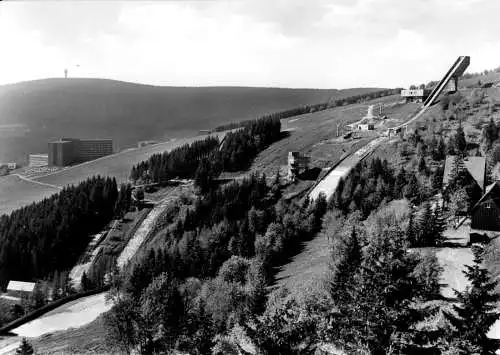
[346, 264]
[425, 228]
[476, 313]
[411, 190]
[383, 288]
[438, 224]
[411, 230]
[490, 134]
[86, 283]
[400, 184]
[459, 176]
[276, 186]
[204, 176]
[422, 166]
[440, 152]
[460, 141]
[25, 348]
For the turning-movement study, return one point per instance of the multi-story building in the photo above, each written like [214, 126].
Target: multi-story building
[297, 163]
[90, 149]
[38, 160]
[61, 153]
[68, 151]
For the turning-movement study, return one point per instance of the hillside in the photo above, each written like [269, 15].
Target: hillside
[128, 112]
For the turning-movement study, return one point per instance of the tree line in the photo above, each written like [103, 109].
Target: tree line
[49, 236]
[204, 160]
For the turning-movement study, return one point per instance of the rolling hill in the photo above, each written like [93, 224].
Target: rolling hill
[32, 113]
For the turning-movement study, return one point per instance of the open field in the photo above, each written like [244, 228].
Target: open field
[306, 271]
[127, 112]
[314, 134]
[88, 339]
[16, 192]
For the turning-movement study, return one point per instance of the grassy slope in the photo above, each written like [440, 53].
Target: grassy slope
[88, 339]
[315, 135]
[15, 192]
[305, 271]
[129, 112]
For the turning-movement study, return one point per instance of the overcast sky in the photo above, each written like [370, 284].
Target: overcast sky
[284, 43]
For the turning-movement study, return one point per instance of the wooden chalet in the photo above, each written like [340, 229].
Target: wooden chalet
[485, 215]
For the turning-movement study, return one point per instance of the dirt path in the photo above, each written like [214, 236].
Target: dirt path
[37, 182]
[369, 115]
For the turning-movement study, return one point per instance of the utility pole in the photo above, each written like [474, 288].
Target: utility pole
[66, 73]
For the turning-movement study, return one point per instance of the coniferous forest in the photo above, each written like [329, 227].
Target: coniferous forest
[50, 235]
[235, 153]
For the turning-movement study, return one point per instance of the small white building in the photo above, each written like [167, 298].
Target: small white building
[17, 289]
[38, 160]
[415, 95]
[366, 127]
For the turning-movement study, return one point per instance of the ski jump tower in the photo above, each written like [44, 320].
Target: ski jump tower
[449, 81]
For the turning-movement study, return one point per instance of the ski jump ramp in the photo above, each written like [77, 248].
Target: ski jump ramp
[451, 77]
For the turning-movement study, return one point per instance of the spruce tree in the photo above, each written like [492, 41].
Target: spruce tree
[346, 264]
[380, 315]
[399, 184]
[460, 141]
[422, 166]
[411, 190]
[438, 225]
[425, 228]
[475, 313]
[459, 176]
[440, 152]
[411, 230]
[490, 134]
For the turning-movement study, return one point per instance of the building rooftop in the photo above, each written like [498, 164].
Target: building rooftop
[61, 141]
[493, 191]
[21, 286]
